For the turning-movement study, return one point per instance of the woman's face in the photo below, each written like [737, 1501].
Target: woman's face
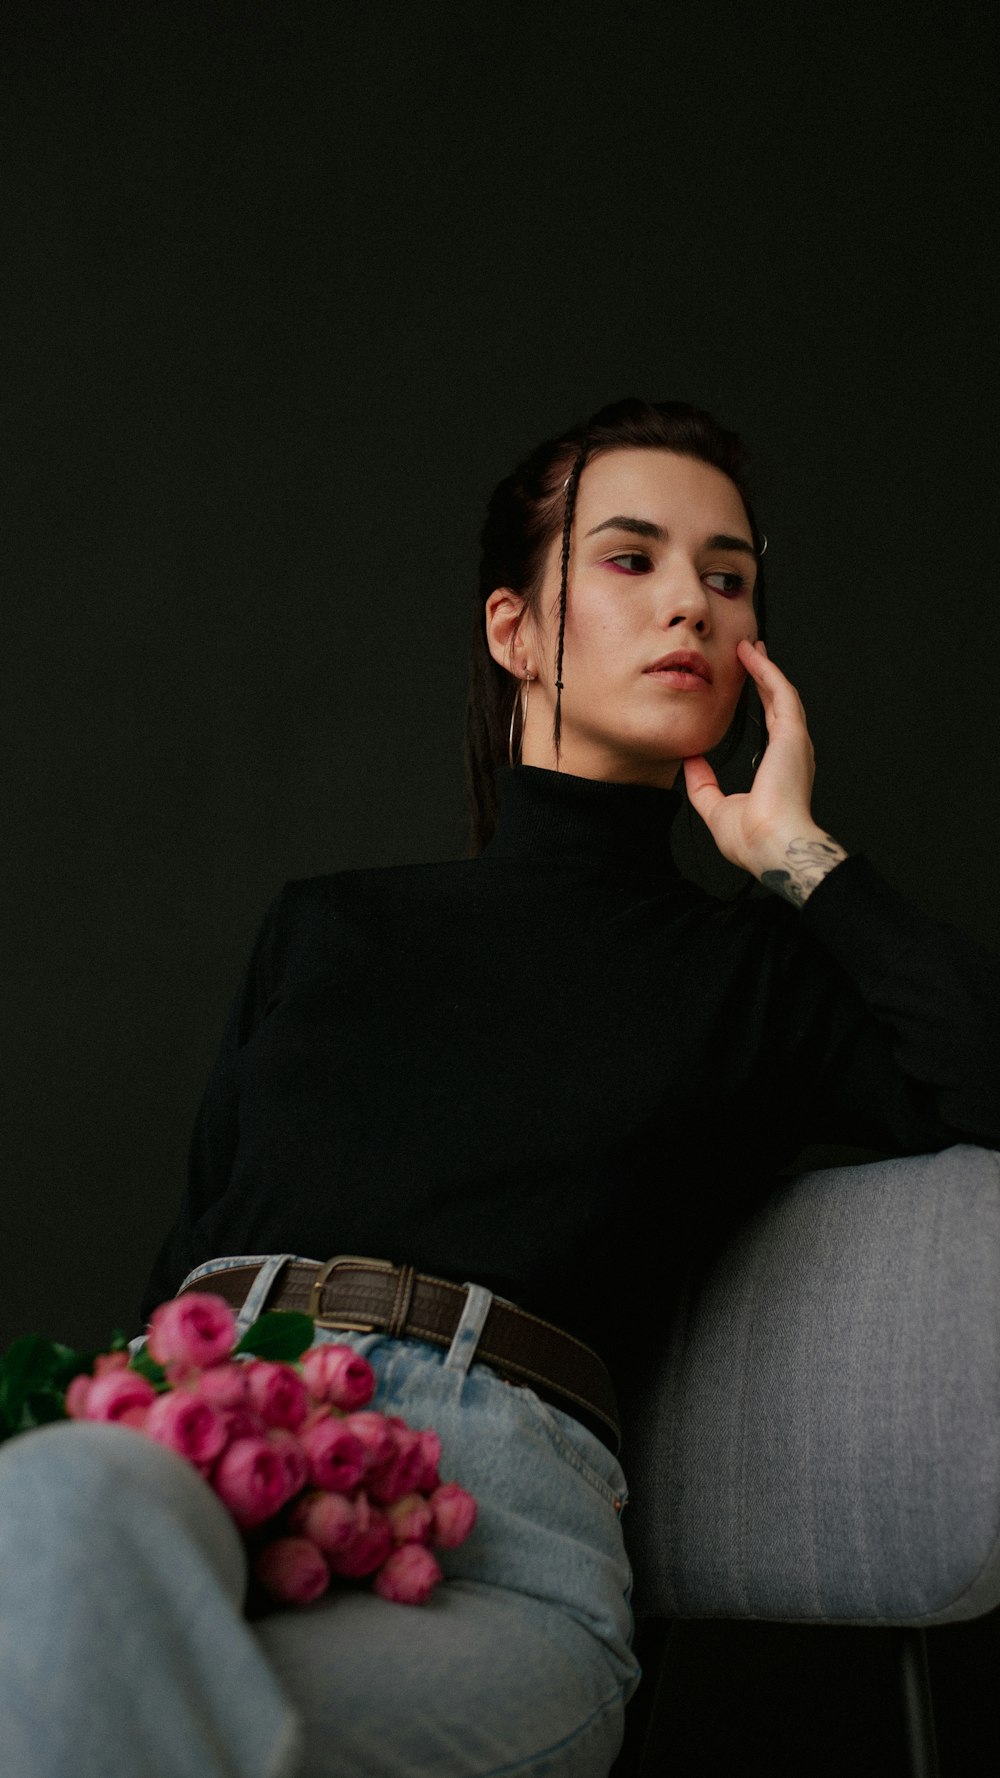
[631, 598]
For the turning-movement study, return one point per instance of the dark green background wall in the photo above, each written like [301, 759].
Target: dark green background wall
[287, 289]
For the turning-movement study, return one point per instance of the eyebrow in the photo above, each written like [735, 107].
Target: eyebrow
[646, 528]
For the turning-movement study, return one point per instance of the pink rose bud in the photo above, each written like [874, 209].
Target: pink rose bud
[180, 1372]
[368, 1548]
[293, 1570]
[75, 1399]
[411, 1519]
[336, 1374]
[401, 1474]
[330, 1520]
[430, 1447]
[106, 1362]
[226, 1385]
[454, 1515]
[121, 1395]
[196, 1329]
[408, 1576]
[377, 1436]
[337, 1458]
[277, 1393]
[182, 1421]
[251, 1479]
[292, 1455]
[321, 1411]
[412, 1459]
[243, 1423]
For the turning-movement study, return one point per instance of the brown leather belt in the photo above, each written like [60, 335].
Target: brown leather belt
[372, 1296]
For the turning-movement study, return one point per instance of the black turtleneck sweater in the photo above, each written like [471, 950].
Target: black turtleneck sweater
[550, 1068]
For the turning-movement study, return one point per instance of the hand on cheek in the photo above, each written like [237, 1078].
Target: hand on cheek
[747, 826]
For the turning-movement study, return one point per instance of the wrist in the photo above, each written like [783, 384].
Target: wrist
[794, 861]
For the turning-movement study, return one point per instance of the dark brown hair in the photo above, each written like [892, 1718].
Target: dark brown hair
[525, 513]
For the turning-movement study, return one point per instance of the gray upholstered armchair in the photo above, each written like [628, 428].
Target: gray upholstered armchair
[821, 1444]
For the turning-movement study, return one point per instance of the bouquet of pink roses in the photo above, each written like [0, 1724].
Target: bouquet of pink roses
[322, 1487]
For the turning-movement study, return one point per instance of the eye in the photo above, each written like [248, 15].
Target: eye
[726, 574]
[739, 584]
[631, 555]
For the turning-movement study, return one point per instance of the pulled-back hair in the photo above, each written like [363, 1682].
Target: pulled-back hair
[527, 510]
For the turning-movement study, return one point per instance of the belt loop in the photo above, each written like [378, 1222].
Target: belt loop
[260, 1289]
[462, 1350]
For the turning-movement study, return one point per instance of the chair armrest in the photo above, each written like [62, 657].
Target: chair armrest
[820, 1438]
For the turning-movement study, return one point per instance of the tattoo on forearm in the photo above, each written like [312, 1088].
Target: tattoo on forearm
[809, 861]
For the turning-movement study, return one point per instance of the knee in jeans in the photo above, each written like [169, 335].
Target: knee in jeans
[83, 1484]
[77, 1470]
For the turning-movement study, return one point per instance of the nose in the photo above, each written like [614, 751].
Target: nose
[686, 601]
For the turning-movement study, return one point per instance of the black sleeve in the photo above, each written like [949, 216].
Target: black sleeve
[216, 1128]
[889, 1022]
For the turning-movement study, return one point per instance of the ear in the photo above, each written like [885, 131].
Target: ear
[503, 609]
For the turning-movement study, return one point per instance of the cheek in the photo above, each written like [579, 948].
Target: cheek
[736, 674]
[747, 632]
[602, 635]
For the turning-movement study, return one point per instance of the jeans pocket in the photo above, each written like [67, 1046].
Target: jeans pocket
[580, 1448]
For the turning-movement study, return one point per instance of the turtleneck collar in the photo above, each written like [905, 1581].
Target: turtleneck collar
[551, 817]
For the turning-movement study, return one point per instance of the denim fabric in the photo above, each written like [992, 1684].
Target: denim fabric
[520, 1664]
[123, 1649]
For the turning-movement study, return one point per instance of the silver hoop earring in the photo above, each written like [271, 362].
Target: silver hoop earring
[523, 695]
[763, 546]
[756, 758]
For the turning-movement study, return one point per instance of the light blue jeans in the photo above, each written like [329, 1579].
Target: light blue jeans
[124, 1651]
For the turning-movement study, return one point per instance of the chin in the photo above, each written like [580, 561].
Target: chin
[685, 745]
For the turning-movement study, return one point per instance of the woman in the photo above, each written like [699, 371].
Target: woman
[489, 1075]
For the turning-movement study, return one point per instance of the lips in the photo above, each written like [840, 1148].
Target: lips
[680, 659]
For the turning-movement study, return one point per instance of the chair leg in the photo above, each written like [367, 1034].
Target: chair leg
[918, 1706]
[651, 1638]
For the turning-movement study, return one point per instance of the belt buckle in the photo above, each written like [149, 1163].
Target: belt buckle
[342, 1323]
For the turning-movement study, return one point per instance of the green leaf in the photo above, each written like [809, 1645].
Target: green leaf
[26, 1367]
[35, 1374]
[43, 1406]
[29, 1359]
[147, 1367]
[69, 1364]
[280, 1334]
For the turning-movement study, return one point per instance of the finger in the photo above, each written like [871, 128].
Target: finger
[756, 656]
[702, 784]
[760, 667]
[776, 691]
